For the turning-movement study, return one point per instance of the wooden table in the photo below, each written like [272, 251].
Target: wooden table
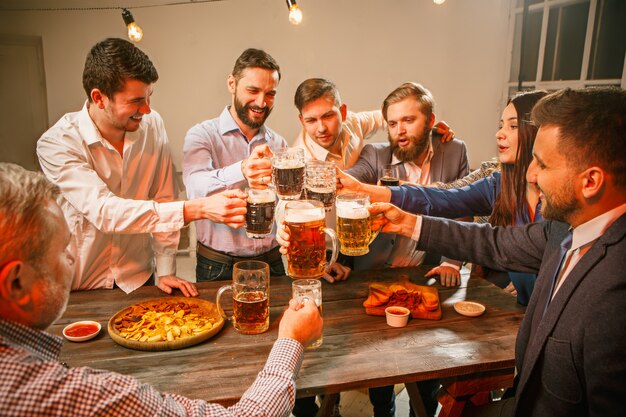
[359, 351]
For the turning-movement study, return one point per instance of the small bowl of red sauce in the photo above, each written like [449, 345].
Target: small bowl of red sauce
[397, 316]
[81, 331]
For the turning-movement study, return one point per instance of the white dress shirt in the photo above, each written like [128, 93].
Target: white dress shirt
[120, 209]
[354, 131]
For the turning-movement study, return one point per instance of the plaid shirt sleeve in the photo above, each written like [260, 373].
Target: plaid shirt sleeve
[48, 388]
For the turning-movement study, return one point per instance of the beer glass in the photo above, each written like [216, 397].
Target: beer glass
[260, 206]
[354, 224]
[288, 173]
[251, 295]
[306, 255]
[390, 176]
[320, 182]
[309, 290]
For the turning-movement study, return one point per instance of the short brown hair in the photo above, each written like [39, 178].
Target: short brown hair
[592, 127]
[111, 62]
[314, 88]
[24, 218]
[411, 89]
[254, 58]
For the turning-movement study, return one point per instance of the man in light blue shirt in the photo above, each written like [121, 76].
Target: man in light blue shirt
[229, 152]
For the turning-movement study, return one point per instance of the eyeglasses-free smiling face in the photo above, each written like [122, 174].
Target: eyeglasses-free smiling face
[124, 111]
[253, 95]
[506, 136]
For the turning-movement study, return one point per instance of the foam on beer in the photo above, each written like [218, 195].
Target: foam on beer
[306, 213]
[352, 210]
[259, 198]
[287, 163]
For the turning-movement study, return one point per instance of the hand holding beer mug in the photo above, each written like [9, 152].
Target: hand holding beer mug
[288, 173]
[309, 291]
[251, 295]
[320, 182]
[306, 255]
[260, 206]
[354, 224]
[391, 176]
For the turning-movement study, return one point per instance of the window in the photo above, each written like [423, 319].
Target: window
[568, 43]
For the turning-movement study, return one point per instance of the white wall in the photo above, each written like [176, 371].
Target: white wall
[367, 47]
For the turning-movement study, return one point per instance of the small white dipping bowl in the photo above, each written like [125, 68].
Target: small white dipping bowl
[81, 338]
[397, 316]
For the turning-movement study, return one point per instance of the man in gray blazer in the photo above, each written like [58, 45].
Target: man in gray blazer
[570, 351]
[419, 158]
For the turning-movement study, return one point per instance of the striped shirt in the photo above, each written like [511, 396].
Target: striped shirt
[35, 383]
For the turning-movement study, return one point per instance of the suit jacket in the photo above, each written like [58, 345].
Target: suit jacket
[576, 363]
[449, 163]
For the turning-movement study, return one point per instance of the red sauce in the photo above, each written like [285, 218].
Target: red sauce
[79, 330]
[397, 311]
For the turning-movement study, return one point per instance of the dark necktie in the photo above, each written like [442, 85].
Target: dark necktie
[566, 244]
[545, 295]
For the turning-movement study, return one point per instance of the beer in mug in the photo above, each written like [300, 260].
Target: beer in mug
[260, 206]
[288, 173]
[354, 225]
[306, 255]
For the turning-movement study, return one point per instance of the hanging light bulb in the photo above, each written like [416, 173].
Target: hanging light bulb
[295, 14]
[439, 1]
[134, 31]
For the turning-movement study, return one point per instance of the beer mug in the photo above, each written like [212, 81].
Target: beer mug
[260, 206]
[391, 176]
[320, 182]
[306, 254]
[251, 297]
[288, 173]
[309, 290]
[354, 224]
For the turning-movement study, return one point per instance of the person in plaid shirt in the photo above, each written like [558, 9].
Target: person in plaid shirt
[35, 279]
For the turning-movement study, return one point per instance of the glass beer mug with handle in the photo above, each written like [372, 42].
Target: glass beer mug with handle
[251, 297]
[288, 173]
[260, 207]
[306, 255]
[354, 224]
[309, 290]
[320, 182]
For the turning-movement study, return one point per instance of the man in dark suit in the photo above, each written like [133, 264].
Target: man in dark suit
[571, 347]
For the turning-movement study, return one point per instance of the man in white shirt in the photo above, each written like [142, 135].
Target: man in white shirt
[113, 166]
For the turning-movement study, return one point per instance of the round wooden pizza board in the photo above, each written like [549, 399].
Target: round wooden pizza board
[174, 344]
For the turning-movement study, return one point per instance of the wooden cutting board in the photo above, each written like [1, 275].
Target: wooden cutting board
[204, 308]
[417, 312]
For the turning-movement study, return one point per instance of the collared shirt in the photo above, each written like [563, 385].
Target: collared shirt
[120, 209]
[212, 156]
[34, 383]
[583, 238]
[354, 131]
[404, 252]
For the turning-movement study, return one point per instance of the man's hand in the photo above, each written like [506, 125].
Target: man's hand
[337, 272]
[393, 220]
[301, 322]
[258, 168]
[282, 237]
[228, 207]
[444, 130]
[167, 282]
[449, 276]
